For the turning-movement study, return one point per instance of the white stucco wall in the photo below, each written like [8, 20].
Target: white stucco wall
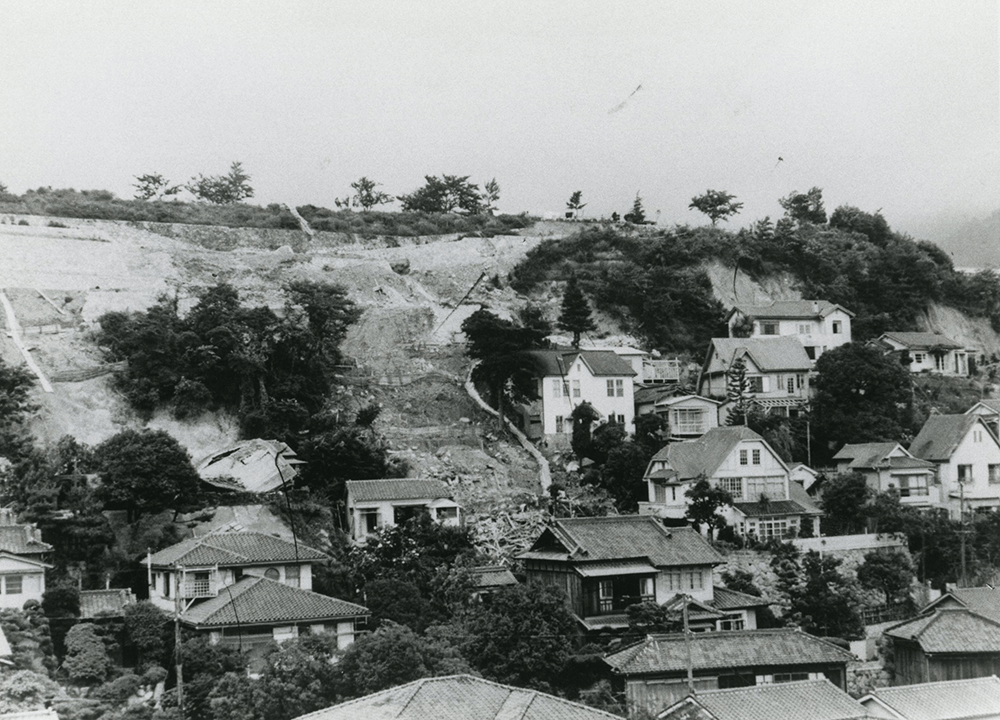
[584, 387]
[820, 333]
[32, 582]
[980, 450]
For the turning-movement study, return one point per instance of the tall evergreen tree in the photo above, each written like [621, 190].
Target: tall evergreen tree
[575, 315]
[739, 392]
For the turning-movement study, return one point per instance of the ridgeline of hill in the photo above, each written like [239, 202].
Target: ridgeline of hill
[656, 283]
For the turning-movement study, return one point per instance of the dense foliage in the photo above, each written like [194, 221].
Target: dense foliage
[654, 281]
[274, 373]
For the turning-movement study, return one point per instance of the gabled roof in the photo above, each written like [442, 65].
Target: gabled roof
[866, 455]
[599, 362]
[622, 537]
[769, 354]
[947, 700]
[236, 548]
[697, 610]
[815, 699]
[403, 489]
[950, 630]
[693, 458]
[992, 404]
[259, 601]
[725, 599]
[667, 653]
[459, 697]
[984, 601]
[790, 309]
[921, 340]
[490, 576]
[799, 495]
[678, 399]
[941, 435]
[20, 540]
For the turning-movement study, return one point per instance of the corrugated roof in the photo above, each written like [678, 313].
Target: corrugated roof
[693, 458]
[459, 697]
[791, 309]
[950, 630]
[259, 601]
[773, 507]
[948, 700]
[769, 354]
[922, 340]
[106, 603]
[601, 362]
[402, 489]
[726, 649]
[251, 464]
[726, 599]
[488, 576]
[235, 548]
[941, 434]
[815, 699]
[20, 540]
[626, 537]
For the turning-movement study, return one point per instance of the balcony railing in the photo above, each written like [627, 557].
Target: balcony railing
[199, 589]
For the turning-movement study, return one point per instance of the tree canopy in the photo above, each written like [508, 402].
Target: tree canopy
[805, 207]
[716, 204]
[233, 187]
[705, 501]
[444, 195]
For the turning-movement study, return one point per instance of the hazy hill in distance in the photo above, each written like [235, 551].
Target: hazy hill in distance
[971, 241]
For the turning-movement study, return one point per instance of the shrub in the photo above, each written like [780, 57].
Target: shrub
[87, 659]
[55, 224]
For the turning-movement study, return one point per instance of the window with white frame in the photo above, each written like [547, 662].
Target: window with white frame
[756, 456]
[733, 486]
[837, 327]
[693, 579]
[13, 584]
[772, 528]
[292, 575]
[939, 363]
[790, 385]
[773, 487]
[659, 494]
[689, 421]
[912, 485]
[611, 388]
[606, 595]
[769, 328]
[744, 457]
[965, 473]
[559, 423]
[756, 383]
[557, 388]
[369, 520]
[732, 622]
[994, 474]
[805, 328]
[918, 358]
[619, 388]
[576, 388]
[673, 580]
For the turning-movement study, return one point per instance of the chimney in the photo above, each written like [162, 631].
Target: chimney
[816, 307]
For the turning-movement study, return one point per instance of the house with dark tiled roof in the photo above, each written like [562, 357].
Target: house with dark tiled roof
[487, 579]
[927, 352]
[946, 643]
[815, 699]
[23, 558]
[565, 379]
[606, 564]
[654, 670]
[766, 503]
[983, 601]
[889, 466]
[372, 504]
[976, 699]
[818, 325]
[966, 454]
[459, 697]
[247, 588]
[777, 371]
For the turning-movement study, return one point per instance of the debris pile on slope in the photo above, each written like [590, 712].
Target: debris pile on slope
[504, 525]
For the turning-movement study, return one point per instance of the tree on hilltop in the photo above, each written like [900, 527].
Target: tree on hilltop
[367, 195]
[575, 316]
[574, 206]
[153, 186]
[444, 195]
[716, 204]
[490, 196]
[805, 207]
[226, 189]
[637, 215]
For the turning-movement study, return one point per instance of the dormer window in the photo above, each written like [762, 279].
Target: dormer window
[769, 328]
[272, 574]
[292, 575]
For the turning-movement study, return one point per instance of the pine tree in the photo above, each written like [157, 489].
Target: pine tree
[738, 392]
[575, 315]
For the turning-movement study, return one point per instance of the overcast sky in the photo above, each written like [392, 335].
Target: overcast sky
[884, 104]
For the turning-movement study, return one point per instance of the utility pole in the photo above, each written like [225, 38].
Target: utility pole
[962, 531]
[687, 646]
[178, 658]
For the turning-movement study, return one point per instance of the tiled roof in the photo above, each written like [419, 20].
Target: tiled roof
[773, 507]
[950, 630]
[236, 548]
[798, 494]
[94, 603]
[921, 340]
[769, 354]
[726, 599]
[259, 601]
[941, 434]
[489, 576]
[982, 600]
[404, 489]
[459, 697]
[697, 610]
[815, 699]
[20, 540]
[726, 649]
[625, 537]
[600, 362]
[865, 455]
[791, 309]
[653, 393]
[251, 464]
[948, 700]
[703, 456]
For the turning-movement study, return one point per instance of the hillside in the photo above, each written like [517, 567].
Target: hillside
[61, 279]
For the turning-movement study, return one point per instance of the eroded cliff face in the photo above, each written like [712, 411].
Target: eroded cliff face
[732, 287]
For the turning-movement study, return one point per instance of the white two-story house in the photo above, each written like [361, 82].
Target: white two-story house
[819, 325]
[889, 466]
[248, 588]
[568, 378]
[766, 503]
[777, 371]
[967, 456]
[22, 562]
[927, 352]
